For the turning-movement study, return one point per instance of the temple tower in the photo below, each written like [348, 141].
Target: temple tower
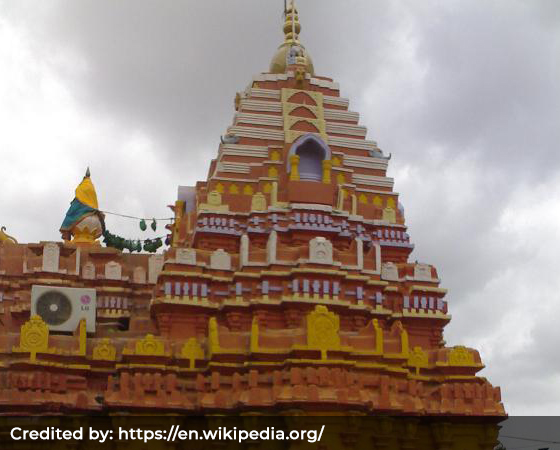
[288, 288]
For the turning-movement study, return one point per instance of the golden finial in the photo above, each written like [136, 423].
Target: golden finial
[291, 51]
[292, 26]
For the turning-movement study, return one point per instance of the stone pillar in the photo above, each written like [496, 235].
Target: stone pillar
[244, 251]
[271, 247]
[327, 166]
[360, 253]
[294, 168]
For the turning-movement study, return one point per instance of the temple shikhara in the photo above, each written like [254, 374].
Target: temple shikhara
[287, 288]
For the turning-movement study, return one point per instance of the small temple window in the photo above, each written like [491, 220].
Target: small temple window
[311, 151]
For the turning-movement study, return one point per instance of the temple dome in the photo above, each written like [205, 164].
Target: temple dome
[291, 48]
[280, 59]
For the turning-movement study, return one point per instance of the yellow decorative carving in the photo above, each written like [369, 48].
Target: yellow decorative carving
[214, 203]
[289, 121]
[389, 215]
[248, 189]
[267, 188]
[377, 201]
[336, 161]
[318, 124]
[34, 338]
[255, 335]
[84, 234]
[460, 356]
[220, 188]
[275, 155]
[300, 72]
[340, 178]
[391, 202]
[233, 189]
[192, 351]
[105, 351]
[418, 359]
[5, 237]
[272, 172]
[82, 337]
[327, 166]
[378, 337]
[317, 97]
[363, 199]
[213, 337]
[294, 167]
[404, 343]
[322, 330]
[397, 328]
[316, 111]
[149, 346]
[258, 202]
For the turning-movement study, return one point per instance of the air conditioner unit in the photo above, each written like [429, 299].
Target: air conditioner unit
[62, 308]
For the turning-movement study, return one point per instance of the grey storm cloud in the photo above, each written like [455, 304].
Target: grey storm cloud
[464, 94]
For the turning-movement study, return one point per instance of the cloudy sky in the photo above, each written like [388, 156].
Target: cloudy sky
[464, 94]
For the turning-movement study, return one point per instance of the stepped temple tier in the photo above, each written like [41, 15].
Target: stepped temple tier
[287, 287]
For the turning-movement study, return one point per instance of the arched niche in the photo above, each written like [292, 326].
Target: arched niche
[312, 151]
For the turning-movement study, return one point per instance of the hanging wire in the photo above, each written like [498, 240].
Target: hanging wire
[137, 218]
[530, 440]
[148, 239]
[524, 447]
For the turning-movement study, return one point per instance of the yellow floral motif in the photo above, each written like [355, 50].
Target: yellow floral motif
[391, 202]
[267, 188]
[149, 346]
[248, 189]
[322, 330]
[233, 189]
[192, 351]
[377, 201]
[336, 161]
[220, 188]
[340, 178]
[275, 155]
[418, 359]
[363, 199]
[272, 172]
[104, 351]
[34, 337]
[460, 356]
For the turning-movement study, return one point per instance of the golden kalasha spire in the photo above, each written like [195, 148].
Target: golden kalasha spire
[292, 26]
[291, 51]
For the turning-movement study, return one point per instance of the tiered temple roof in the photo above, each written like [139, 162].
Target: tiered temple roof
[288, 284]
